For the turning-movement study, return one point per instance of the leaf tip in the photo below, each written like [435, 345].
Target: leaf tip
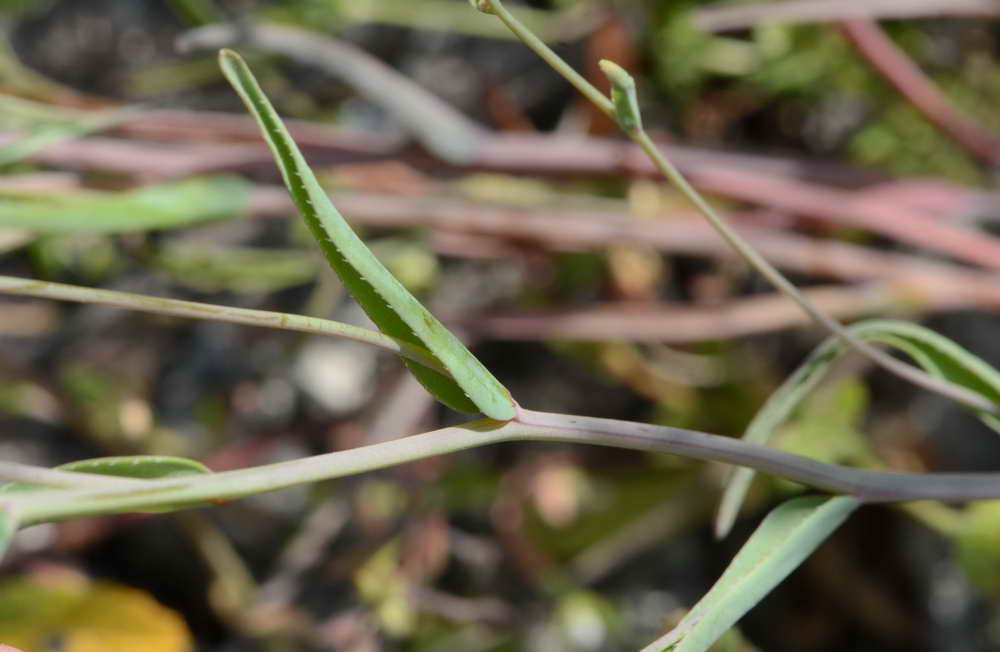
[229, 58]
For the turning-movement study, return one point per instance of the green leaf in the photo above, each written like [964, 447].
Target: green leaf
[397, 313]
[140, 467]
[8, 526]
[153, 207]
[788, 535]
[938, 355]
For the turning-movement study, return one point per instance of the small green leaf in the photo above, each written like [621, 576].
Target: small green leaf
[938, 355]
[8, 526]
[789, 534]
[153, 207]
[140, 467]
[472, 388]
[623, 96]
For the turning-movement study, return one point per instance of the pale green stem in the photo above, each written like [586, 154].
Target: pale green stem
[194, 310]
[550, 57]
[916, 376]
[868, 486]
[778, 280]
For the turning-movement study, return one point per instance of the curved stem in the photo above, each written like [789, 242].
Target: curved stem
[638, 135]
[195, 310]
[868, 486]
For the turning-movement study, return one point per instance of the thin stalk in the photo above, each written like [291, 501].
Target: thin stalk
[195, 310]
[916, 376]
[764, 268]
[867, 486]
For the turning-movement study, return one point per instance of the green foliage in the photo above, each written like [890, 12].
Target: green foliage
[164, 206]
[25, 6]
[902, 141]
[827, 427]
[777, 63]
[195, 12]
[8, 526]
[89, 257]
[210, 268]
[938, 355]
[784, 539]
[678, 49]
[978, 541]
[786, 65]
[396, 312]
[140, 467]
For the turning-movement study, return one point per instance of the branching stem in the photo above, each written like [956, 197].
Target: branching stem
[764, 268]
[868, 486]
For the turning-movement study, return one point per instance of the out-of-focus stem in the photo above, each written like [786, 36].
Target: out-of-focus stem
[194, 310]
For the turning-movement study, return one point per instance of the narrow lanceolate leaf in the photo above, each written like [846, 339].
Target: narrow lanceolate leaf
[784, 539]
[8, 526]
[164, 206]
[938, 355]
[394, 310]
[139, 467]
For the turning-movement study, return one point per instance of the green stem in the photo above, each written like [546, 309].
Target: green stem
[638, 135]
[194, 310]
[916, 376]
[868, 486]
[554, 60]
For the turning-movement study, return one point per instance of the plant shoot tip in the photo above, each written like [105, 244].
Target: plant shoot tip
[617, 75]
